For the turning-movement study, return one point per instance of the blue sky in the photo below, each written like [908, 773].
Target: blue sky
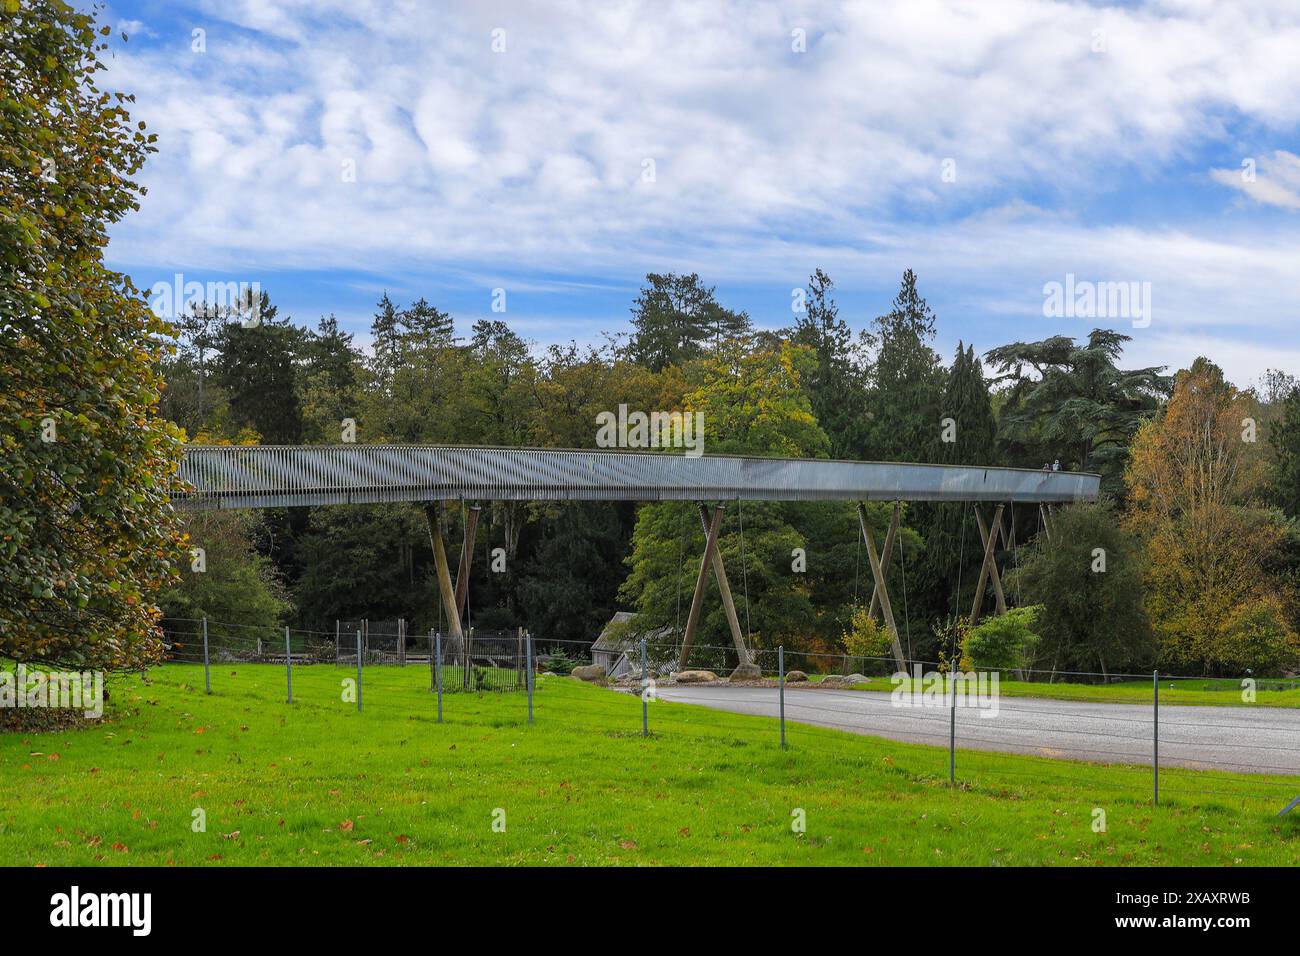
[332, 150]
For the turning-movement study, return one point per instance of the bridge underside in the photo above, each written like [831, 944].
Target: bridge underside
[285, 476]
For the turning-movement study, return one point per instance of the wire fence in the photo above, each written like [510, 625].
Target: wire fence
[1188, 743]
[477, 661]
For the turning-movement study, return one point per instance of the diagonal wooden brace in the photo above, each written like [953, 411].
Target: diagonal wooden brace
[886, 556]
[724, 588]
[990, 542]
[693, 619]
[433, 518]
[998, 529]
[466, 559]
[882, 587]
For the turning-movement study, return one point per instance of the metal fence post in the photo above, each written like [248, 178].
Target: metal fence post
[437, 670]
[1155, 737]
[338, 643]
[645, 684]
[432, 679]
[288, 665]
[780, 683]
[358, 672]
[530, 676]
[952, 726]
[207, 674]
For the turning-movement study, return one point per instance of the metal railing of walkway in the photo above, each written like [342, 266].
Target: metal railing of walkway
[267, 476]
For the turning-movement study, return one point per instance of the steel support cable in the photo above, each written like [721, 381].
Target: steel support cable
[961, 561]
[907, 620]
[744, 575]
[681, 560]
[857, 564]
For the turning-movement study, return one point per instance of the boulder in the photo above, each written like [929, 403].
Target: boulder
[795, 677]
[589, 671]
[696, 677]
[834, 680]
[857, 679]
[747, 672]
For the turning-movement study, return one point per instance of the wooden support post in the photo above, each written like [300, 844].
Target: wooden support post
[990, 540]
[434, 520]
[466, 559]
[886, 556]
[993, 564]
[882, 587]
[724, 588]
[692, 619]
[1046, 514]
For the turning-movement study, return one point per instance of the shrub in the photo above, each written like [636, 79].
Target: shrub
[1256, 637]
[867, 637]
[1004, 642]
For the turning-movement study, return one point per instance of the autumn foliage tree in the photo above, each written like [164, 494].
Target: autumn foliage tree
[1197, 483]
[86, 532]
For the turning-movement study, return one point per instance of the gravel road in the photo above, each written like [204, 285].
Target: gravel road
[1249, 740]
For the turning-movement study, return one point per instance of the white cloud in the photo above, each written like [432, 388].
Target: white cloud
[1273, 180]
[766, 160]
[133, 28]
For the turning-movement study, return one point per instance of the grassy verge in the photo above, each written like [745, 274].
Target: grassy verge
[317, 783]
[1202, 692]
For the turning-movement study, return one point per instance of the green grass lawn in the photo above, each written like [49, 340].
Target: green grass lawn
[317, 783]
[1207, 691]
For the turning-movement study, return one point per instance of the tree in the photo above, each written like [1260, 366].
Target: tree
[87, 536]
[189, 399]
[963, 434]
[256, 370]
[328, 387]
[1198, 499]
[569, 588]
[908, 379]
[1088, 579]
[675, 317]
[386, 341]
[1284, 439]
[236, 585]
[753, 403]
[424, 323]
[366, 561]
[837, 384]
[415, 383]
[1070, 402]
